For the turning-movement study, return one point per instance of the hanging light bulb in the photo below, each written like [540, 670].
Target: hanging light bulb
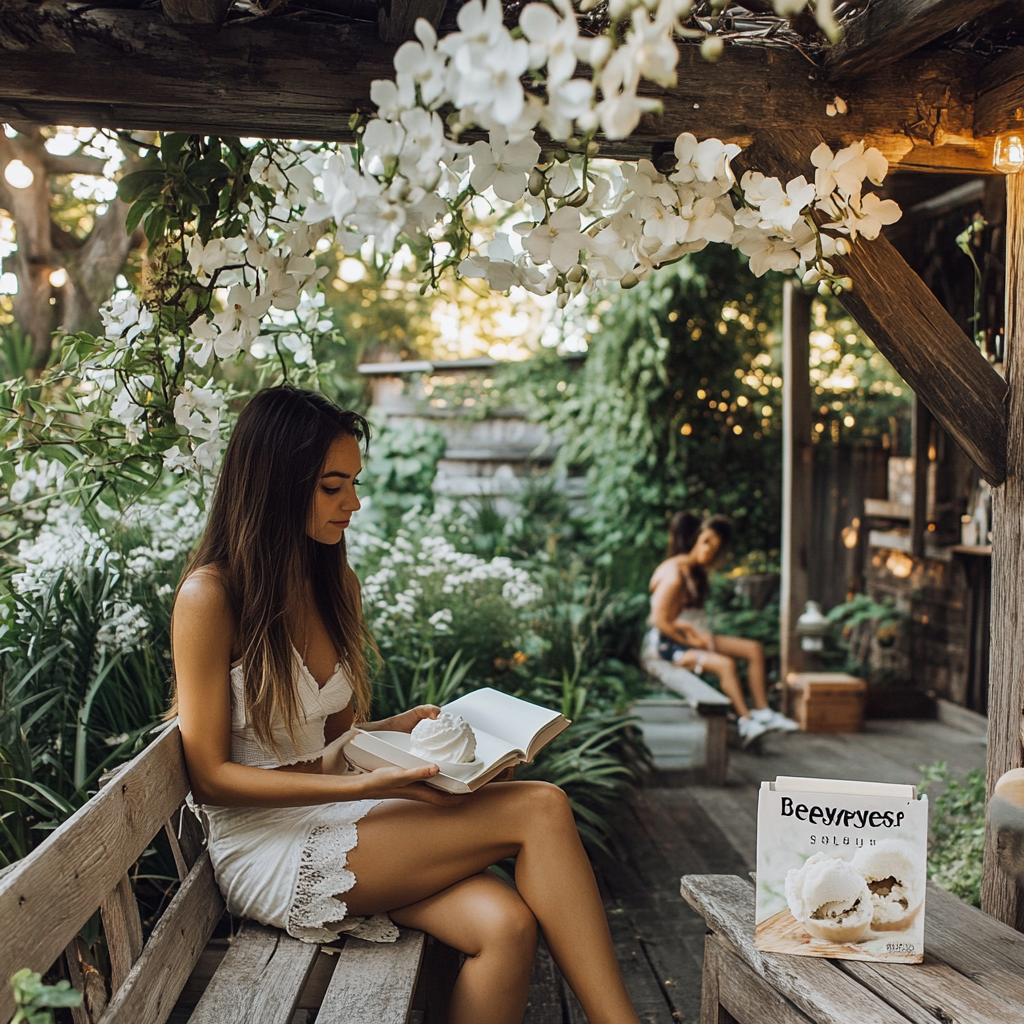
[58, 277]
[1008, 154]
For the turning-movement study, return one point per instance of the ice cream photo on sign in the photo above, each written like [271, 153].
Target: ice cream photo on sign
[841, 870]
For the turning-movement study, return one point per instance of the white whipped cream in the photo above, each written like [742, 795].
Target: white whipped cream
[830, 898]
[447, 738]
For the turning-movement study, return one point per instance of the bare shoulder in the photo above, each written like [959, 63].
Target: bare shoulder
[667, 574]
[203, 599]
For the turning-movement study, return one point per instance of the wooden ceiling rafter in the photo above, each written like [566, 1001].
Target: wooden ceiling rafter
[880, 33]
[910, 327]
[294, 78]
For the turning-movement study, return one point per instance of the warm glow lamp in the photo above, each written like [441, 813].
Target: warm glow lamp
[1008, 154]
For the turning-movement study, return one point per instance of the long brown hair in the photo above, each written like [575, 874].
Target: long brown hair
[256, 539]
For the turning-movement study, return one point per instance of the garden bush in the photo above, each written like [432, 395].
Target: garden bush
[957, 843]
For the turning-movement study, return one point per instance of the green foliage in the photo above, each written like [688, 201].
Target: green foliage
[400, 471]
[35, 1000]
[15, 352]
[957, 845]
[864, 630]
[662, 415]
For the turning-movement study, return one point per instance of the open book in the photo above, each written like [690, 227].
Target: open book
[508, 731]
[841, 869]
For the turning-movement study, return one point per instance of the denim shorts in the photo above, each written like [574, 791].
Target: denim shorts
[669, 648]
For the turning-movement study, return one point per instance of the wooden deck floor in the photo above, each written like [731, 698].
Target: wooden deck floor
[677, 830]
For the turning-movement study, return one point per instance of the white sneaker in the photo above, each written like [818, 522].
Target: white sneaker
[784, 724]
[774, 720]
[750, 728]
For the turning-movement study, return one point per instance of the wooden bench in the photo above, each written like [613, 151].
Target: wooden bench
[711, 704]
[49, 896]
[973, 970]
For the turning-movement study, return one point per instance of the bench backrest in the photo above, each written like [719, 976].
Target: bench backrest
[46, 898]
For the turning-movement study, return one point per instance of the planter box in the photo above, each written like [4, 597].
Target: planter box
[884, 701]
[827, 701]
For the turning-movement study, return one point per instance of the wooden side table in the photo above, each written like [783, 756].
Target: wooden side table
[827, 701]
[973, 970]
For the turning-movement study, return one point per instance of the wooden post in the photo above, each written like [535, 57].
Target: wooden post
[920, 442]
[1000, 897]
[796, 471]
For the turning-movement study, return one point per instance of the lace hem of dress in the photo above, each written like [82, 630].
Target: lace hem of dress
[323, 873]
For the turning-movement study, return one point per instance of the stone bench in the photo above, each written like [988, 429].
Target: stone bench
[46, 898]
[973, 970]
[711, 704]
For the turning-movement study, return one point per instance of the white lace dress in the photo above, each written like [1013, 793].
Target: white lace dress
[282, 866]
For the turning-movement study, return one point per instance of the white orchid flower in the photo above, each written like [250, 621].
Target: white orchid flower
[126, 319]
[197, 411]
[503, 166]
[205, 260]
[559, 241]
[382, 143]
[782, 208]
[239, 322]
[282, 289]
[393, 97]
[766, 252]
[421, 63]
[205, 335]
[553, 41]
[872, 215]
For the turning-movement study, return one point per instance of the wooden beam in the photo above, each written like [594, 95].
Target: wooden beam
[1000, 103]
[396, 18]
[882, 32]
[195, 12]
[1000, 896]
[292, 78]
[797, 469]
[910, 328]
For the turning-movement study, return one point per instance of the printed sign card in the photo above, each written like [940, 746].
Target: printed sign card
[841, 869]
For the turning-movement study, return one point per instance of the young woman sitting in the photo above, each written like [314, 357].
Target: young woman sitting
[270, 668]
[679, 589]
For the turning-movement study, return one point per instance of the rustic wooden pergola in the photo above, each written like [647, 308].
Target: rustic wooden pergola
[926, 94]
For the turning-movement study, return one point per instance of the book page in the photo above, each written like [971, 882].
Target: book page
[511, 720]
[791, 783]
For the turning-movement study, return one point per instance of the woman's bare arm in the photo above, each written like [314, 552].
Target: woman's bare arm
[665, 605]
[203, 628]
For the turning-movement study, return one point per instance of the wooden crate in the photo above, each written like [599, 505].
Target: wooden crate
[827, 701]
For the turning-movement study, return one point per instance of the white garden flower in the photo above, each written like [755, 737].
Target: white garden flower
[239, 323]
[872, 215]
[422, 64]
[558, 241]
[393, 98]
[205, 335]
[282, 289]
[197, 410]
[707, 161]
[503, 165]
[766, 252]
[126, 319]
[206, 260]
[423, 148]
[781, 209]
[382, 143]
[553, 40]
[127, 409]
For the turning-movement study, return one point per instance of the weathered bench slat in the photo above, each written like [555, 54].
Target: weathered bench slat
[936, 988]
[123, 931]
[260, 979]
[992, 956]
[743, 994]
[374, 982]
[817, 987]
[47, 897]
[151, 989]
[687, 684]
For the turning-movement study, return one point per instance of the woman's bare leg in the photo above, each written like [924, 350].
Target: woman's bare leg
[725, 668]
[753, 651]
[489, 922]
[408, 852]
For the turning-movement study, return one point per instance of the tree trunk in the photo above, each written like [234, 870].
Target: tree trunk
[41, 307]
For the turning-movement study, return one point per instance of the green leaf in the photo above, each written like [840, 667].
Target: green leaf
[132, 186]
[135, 214]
